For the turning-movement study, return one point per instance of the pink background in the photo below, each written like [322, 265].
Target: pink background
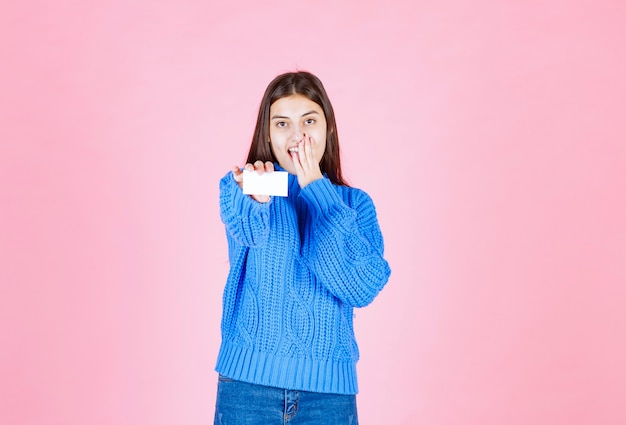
[490, 134]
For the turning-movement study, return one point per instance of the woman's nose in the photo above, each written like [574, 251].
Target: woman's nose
[298, 134]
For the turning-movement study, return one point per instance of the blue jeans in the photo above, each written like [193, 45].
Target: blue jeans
[241, 403]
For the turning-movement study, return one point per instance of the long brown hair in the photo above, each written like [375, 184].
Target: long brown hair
[308, 85]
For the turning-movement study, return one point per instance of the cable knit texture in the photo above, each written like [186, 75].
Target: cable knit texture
[298, 267]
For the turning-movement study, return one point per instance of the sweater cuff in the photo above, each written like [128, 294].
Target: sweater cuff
[321, 196]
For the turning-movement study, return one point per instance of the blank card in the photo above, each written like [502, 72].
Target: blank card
[273, 184]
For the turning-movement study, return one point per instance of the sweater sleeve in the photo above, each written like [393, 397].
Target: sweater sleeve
[347, 249]
[246, 220]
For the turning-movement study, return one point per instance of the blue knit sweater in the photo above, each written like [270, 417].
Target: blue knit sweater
[298, 267]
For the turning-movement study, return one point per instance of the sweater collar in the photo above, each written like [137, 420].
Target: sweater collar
[293, 185]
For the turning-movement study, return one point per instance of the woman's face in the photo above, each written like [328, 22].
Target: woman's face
[291, 119]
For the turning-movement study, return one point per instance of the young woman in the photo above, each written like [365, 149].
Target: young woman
[299, 265]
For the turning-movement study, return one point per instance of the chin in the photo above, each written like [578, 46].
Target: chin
[288, 167]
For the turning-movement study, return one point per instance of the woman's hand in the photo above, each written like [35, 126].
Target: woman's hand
[306, 163]
[260, 168]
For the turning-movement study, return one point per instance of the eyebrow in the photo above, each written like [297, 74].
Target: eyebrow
[303, 115]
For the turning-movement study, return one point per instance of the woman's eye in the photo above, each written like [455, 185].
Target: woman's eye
[310, 121]
[281, 124]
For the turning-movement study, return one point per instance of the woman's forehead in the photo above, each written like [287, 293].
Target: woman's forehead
[295, 104]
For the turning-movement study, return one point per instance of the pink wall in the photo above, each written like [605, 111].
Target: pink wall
[490, 134]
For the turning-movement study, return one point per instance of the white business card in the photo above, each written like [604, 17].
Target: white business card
[273, 184]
